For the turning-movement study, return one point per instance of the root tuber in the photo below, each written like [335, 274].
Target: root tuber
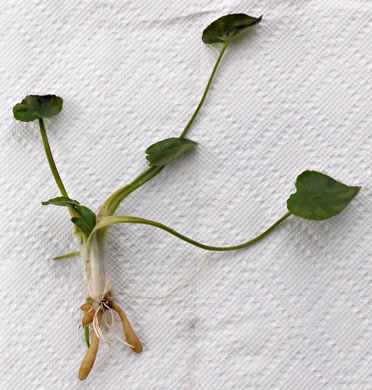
[90, 357]
[88, 318]
[129, 332]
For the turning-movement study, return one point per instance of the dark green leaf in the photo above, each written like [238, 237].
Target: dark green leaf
[61, 201]
[27, 110]
[227, 27]
[82, 225]
[87, 218]
[35, 106]
[162, 152]
[319, 196]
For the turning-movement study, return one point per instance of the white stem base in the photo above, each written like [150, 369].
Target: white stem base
[93, 257]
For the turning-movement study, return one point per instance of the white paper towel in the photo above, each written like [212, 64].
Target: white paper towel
[293, 312]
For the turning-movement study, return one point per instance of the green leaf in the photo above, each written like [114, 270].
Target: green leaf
[67, 256]
[319, 196]
[88, 216]
[227, 27]
[83, 225]
[162, 152]
[61, 201]
[86, 220]
[36, 106]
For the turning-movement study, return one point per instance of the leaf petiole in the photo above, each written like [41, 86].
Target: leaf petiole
[152, 172]
[105, 222]
[50, 158]
[186, 129]
[113, 202]
[53, 166]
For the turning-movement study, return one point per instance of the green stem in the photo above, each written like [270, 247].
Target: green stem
[134, 185]
[186, 129]
[126, 219]
[54, 170]
[86, 328]
[50, 159]
[115, 199]
[113, 202]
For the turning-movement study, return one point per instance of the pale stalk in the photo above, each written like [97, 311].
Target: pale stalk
[93, 255]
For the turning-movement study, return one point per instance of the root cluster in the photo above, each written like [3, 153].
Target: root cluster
[93, 315]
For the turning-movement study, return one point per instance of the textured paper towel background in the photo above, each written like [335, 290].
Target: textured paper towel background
[295, 311]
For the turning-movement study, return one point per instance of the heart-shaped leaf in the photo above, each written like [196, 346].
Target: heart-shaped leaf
[87, 218]
[162, 152]
[227, 27]
[319, 196]
[35, 106]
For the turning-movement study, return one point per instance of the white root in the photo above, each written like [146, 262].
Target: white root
[110, 326]
[173, 290]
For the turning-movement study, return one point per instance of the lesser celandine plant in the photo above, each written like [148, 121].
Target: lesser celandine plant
[318, 197]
